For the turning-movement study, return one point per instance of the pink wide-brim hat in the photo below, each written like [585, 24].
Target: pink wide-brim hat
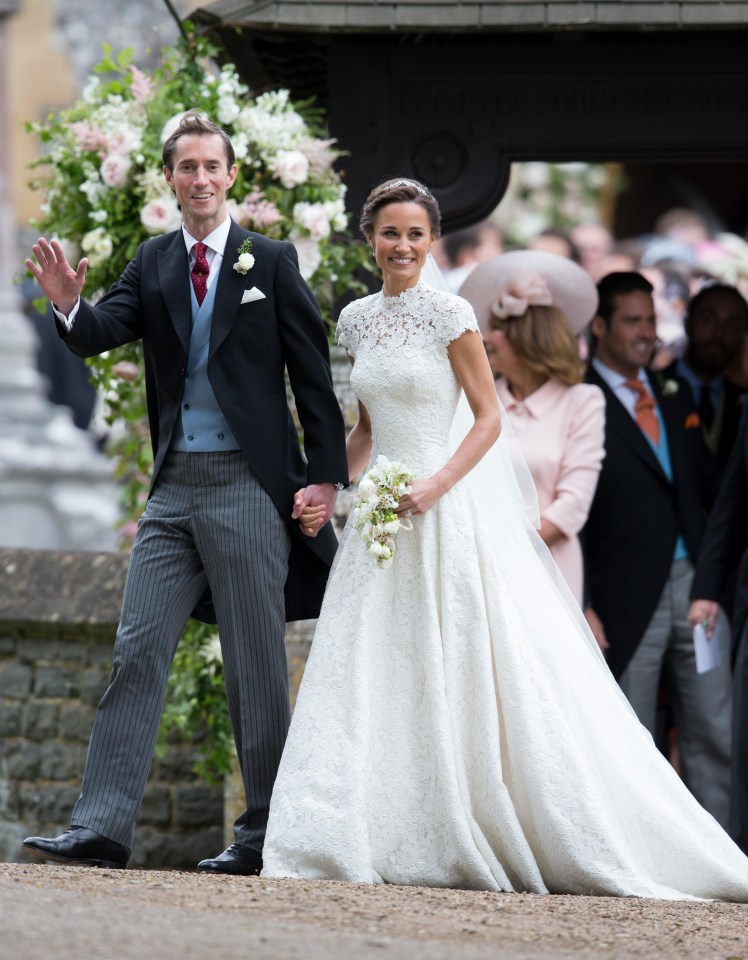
[572, 290]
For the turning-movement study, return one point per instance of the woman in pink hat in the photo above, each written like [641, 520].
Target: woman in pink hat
[531, 306]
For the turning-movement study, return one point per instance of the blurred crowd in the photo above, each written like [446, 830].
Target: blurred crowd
[622, 368]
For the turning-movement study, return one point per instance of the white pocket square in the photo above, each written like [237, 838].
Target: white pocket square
[254, 294]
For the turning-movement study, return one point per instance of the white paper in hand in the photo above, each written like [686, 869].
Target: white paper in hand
[706, 649]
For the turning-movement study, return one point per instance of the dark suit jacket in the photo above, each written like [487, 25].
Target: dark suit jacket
[731, 407]
[250, 347]
[637, 515]
[725, 546]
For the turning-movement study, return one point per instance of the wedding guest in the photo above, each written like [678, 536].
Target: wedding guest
[530, 307]
[670, 293]
[724, 554]
[716, 324]
[465, 249]
[553, 240]
[594, 242]
[643, 536]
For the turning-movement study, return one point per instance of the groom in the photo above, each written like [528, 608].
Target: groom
[221, 530]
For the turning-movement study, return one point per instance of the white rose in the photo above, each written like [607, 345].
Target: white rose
[99, 216]
[97, 245]
[309, 256]
[291, 167]
[375, 549]
[312, 217]
[245, 263]
[161, 215]
[366, 488]
[114, 169]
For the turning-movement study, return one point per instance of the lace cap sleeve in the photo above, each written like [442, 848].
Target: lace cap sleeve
[346, 332]
[457, 319]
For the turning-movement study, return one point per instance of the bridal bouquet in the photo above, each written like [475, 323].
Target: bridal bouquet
[374, 516]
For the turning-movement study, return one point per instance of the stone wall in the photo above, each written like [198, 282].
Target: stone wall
[58, 616]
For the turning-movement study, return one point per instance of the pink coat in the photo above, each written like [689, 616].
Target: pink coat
[561, 432]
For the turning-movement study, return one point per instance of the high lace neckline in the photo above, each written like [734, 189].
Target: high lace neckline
[406, 296]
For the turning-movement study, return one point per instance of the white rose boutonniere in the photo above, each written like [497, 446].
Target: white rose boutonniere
[670, 388]
[246, 260]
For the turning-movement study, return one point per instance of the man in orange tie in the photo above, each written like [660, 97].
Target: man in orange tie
[643, 535]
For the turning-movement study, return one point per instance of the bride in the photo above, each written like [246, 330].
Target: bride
[456, 725]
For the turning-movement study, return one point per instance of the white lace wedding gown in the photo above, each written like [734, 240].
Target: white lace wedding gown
[454, 726]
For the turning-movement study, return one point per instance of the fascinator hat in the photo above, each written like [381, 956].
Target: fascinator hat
[507, 284]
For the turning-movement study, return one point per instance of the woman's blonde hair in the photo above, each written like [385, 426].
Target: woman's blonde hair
[542, 339]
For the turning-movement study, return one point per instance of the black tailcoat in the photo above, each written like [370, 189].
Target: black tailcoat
[251, 345]
[637, 514]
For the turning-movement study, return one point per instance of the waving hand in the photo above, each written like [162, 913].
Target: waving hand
[60, 283]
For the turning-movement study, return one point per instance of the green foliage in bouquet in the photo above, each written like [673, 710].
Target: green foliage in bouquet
[104, 193]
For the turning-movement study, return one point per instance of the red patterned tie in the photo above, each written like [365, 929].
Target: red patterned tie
[645, 410]
[200, 272]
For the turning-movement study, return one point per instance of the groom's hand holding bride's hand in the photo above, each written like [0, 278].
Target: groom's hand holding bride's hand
[313, 506]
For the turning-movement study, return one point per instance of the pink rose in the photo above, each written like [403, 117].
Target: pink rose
[160, 215]
[114, 169]
[312, 217]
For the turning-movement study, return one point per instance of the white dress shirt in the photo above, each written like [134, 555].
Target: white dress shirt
[216, 244]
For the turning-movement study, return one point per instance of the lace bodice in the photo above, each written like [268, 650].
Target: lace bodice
[402, 372]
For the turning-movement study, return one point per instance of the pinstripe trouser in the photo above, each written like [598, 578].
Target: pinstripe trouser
[701, 702]
[208, 520]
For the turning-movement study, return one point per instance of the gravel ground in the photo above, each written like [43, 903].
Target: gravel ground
[74, 913]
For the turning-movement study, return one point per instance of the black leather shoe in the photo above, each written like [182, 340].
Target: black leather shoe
[237, 859]
[79, 846]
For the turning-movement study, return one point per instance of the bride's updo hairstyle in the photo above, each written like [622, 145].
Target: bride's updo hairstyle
[399, 190]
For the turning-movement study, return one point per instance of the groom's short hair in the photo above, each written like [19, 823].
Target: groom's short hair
[194, 122]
